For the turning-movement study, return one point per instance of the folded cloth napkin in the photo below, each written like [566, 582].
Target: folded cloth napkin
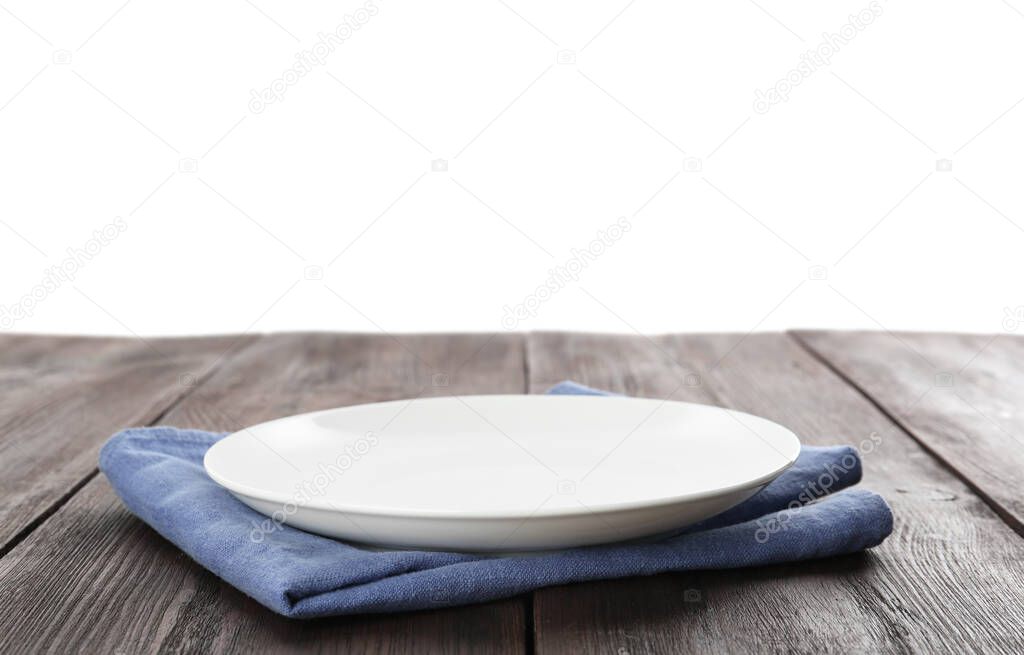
[158, 473]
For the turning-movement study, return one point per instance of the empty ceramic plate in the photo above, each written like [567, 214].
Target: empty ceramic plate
[501, 473]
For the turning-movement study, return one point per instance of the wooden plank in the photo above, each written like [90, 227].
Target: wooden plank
[960, 395]
[949, 579]
[61, 397]
[117, 586]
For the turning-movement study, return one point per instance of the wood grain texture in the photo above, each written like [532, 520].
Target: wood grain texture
[961, 396]
[948, 580]
[61, 397]
[94, 578]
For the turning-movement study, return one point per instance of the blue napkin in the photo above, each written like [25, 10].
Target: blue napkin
[158, 473]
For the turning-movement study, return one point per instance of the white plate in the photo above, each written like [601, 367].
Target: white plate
[500, 473]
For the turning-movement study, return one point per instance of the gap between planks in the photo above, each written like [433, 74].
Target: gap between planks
[1007, 517]
[158, 416]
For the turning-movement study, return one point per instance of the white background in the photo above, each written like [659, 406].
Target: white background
[104, 105]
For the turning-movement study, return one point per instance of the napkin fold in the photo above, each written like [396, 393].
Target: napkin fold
[158, 473]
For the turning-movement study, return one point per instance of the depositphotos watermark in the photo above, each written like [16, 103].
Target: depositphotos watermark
[1013, 318]
[815, 489]
[816, 58]
[560, 276]
[315, 486]
[62, 273]
[308, 60]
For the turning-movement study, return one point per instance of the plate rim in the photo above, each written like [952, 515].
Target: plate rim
[243, 490]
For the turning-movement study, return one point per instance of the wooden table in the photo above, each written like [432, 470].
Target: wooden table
[78, 572]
